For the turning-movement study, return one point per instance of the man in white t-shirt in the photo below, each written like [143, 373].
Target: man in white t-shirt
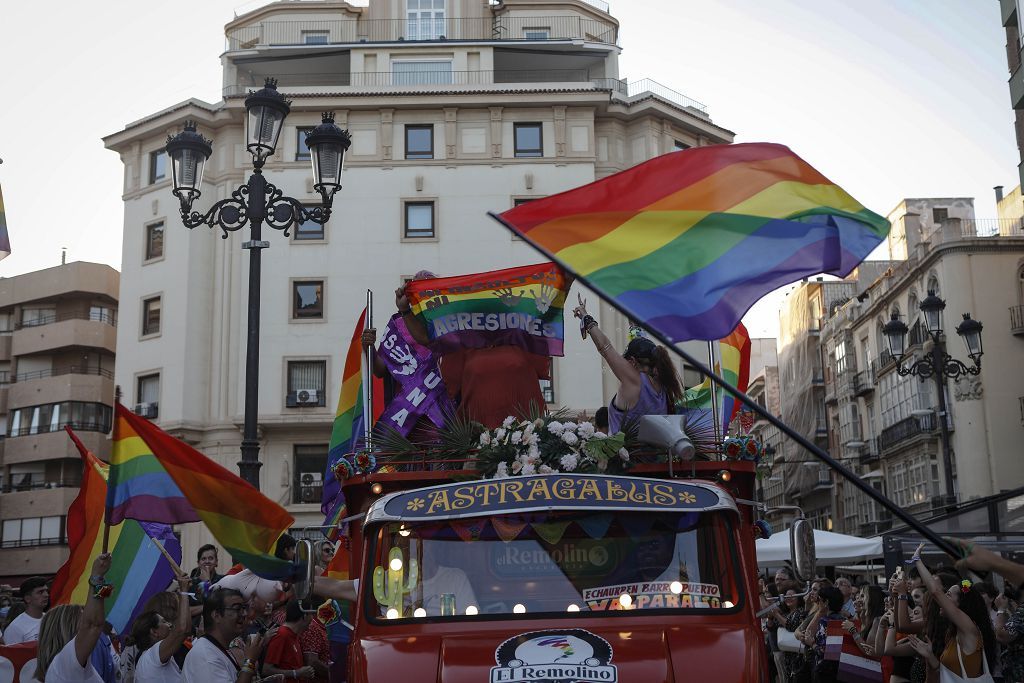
[25, 627]
[208, 661]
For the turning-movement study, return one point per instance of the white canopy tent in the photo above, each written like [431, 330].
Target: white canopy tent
[831, 549]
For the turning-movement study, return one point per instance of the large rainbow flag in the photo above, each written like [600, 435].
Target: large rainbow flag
[157, 478]
[733, 365]
[518, 306]
[689, 241]
[138, 571]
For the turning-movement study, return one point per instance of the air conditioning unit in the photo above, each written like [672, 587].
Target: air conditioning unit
[307, 397]
[311, 487]
[147, 410]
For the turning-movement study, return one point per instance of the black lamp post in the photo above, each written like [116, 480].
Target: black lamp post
[254, 203]
[937, 364]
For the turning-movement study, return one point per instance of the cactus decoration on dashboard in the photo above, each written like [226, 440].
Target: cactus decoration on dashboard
[387, 582]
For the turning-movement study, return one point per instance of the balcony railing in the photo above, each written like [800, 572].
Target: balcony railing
[991, 227]
[52, 318]
[429, 81]
[49, 427]
[864, 381]
[65, 370]
[906, 428]
[1017, 320]
[869, 453]
[508, 27]
[40, 484]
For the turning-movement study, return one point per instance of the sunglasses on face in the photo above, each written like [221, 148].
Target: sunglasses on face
[237, 609]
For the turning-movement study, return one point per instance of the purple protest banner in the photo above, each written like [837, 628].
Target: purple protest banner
[414, 369]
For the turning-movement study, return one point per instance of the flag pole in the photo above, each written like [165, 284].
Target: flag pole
[167, 556]
[717, 421]
[367, 363]
[867, 489]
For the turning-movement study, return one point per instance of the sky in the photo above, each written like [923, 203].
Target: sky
[887, 98]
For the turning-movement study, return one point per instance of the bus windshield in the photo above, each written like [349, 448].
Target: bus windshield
[554, 562]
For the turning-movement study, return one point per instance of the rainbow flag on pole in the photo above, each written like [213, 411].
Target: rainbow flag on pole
[687, 242]
[732, 365]
[138, 571]
[516, 306]
[157, 478]
[349, 428]
[5, 241]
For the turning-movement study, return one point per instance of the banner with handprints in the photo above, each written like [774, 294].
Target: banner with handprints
[516, 306]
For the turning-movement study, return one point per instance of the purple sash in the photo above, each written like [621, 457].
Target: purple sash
[415, 370]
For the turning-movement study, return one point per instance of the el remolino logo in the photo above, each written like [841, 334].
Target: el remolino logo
[555, 656]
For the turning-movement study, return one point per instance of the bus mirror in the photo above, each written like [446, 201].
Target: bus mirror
[304, 582]
[668, 432]
[801, 548]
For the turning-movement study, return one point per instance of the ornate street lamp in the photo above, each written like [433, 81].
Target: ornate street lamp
[254, 203]
[937, 364]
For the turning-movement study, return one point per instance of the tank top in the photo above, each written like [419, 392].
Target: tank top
[650, 402]
[972, 661]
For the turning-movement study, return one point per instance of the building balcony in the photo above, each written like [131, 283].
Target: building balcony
[19, 563]
[905, 429]
[52, 333]
[869, 453]
[509, 27]
[38, 499]
[991, 227]
[338, 84]
[67, 383]
[864, 381]
[52, 443]
[1017, 320]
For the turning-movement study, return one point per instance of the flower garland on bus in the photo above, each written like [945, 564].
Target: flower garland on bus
[546, 445]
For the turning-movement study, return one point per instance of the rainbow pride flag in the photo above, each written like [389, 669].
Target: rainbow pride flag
[733, 365]
[138, 571]
[157, 478]
[687, 242]
[348, 429]
[5, 241]
[516, 306]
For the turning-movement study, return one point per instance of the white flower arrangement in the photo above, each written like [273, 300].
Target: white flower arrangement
[548, 445]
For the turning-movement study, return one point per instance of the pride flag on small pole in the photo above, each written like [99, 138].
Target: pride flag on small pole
[5, 240]
[350, 424]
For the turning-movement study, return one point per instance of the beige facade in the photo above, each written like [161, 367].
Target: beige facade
[884, 426]
[473, 108]
[57, 342]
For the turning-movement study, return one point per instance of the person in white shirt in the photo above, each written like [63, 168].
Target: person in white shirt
[158, 639]
[25, 627]
[224, 612]
[69, 633]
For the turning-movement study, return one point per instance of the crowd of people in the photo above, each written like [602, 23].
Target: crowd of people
[194, 632]
[925, 626]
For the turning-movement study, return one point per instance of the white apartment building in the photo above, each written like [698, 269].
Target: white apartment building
[885, 426]
[455, 108]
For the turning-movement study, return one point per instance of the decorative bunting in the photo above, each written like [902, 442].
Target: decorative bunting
[506, 528]
[469, 530]
[596, 526]
[551, 532]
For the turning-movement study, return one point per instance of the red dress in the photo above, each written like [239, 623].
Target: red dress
[492, 383]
